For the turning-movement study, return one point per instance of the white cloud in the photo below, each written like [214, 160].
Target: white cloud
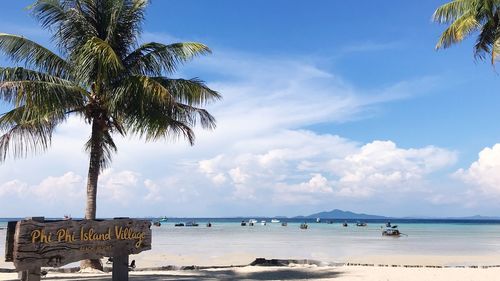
[258, 147]
[13, 187]
[485, 172]
[70, 185]
[382, 165]
[120, 187]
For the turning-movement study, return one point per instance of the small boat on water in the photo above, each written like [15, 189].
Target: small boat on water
[192, 223]
[163, 219]
[391, 230]
[284, 223]
[67, 217]
[209, 224]
[243, 223]
[157, 223]
[303, 226]
[263, 222]
[180, 224]
[361, 223]
[318, 220]
[254, 221]
[345, 224]
[275, 221]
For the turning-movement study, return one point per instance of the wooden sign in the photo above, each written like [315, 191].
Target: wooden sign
[56, 243]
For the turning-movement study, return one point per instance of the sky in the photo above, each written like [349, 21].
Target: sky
[326, 105]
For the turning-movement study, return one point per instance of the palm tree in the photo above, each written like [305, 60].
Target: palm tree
[104, 76]
[466, 17]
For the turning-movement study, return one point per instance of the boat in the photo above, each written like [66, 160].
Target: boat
[67, 217]
[275, 220]
[361, 223]
[157, 223]
[163, 219]
[209, 224]
[251, 223]
[191, 223]
[345, 224]
[243, 223]
[179, 224]
[391, 231]
[284, 223]
[254, 221]
[263, 222]
[318, 220]
[303, 226]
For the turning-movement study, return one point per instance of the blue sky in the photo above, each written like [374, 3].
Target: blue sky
[327, 104]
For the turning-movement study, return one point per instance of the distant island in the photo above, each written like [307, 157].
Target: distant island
[340, 214]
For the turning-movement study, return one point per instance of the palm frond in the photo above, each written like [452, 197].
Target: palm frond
[454, 10]
[189, 91]
[154, 58]
[67, 19]
[23, 136]
[22, 50]
[485, 43]
[124, 28]
[458, 30]
[96, 58]
[21, 74]
[42, 97]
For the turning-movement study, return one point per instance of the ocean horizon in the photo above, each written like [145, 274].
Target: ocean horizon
[226, 242]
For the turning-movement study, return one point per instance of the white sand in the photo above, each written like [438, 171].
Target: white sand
[343, 273]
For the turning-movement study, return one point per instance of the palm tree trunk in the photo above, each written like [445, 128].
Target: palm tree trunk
[93, 176]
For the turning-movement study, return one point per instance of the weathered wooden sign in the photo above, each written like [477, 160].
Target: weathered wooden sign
[56, 243]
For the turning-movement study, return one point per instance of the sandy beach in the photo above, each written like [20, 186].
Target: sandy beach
[369, 268]
[294, 272]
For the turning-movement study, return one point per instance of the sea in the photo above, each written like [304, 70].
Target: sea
[227, 242]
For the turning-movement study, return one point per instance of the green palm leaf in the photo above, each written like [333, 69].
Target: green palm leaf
[22, 50]
[154, 58]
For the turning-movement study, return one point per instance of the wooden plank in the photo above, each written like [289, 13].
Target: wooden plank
[9, 241]
[56, 243]
[120, 268]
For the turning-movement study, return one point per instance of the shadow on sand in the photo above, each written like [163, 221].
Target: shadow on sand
[226, 274]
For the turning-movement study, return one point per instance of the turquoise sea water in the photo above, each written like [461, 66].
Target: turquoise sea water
[227, 240]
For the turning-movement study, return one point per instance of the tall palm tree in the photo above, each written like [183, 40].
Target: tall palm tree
[101, 74]
[466, 17]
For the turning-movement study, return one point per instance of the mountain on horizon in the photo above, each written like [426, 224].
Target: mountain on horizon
[339, 214]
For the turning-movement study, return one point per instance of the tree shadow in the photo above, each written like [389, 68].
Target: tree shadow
[276, 273]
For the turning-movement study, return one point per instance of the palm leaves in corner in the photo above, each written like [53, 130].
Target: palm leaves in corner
[465, 17]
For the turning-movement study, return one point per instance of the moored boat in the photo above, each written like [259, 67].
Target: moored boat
[191, 223]
[179, 224]
[361, 223]
[275, 220]
[303, 226]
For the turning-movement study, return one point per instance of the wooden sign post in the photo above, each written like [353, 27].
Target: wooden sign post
[35, 243]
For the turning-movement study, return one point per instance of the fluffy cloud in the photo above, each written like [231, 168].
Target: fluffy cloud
[314, 167]
[485, 172]
[382, 165]
[260, 149]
